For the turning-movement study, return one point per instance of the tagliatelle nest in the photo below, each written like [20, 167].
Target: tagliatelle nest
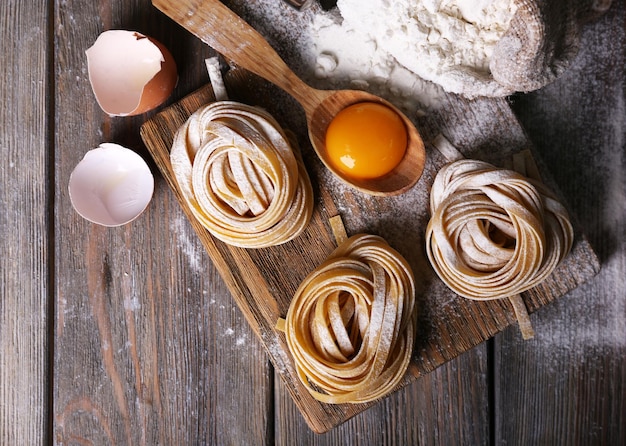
[241, 176]
[494, 233]
[351, 324]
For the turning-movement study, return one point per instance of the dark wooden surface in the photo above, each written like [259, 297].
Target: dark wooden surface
[130, 336]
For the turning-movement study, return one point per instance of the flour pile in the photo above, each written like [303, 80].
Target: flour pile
[397, 44]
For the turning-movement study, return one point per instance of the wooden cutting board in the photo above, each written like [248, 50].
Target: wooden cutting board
[262, 281]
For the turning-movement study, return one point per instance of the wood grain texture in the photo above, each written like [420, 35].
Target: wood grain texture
[24, 223]
[448, 406]
[147, 337]
[556, 380]
[148, 346]
[262, 281]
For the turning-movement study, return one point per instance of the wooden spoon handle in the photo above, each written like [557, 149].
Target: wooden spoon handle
[228, 34]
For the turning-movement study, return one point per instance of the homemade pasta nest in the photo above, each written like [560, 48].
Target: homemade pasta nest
[240, 177]
[351, 324]
[494, 233]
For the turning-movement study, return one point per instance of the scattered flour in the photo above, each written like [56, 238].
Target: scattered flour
[189, 245]
[592, 318]
[132, 304]
[587, 319]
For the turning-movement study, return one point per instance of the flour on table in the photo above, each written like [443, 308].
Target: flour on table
[189, 245]
[132, 304]
[398, 44]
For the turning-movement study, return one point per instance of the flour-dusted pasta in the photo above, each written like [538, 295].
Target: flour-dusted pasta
[351, 324]
[494, 233]
[240, 176]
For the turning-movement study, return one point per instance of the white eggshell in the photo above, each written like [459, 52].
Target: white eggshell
[129, 72]
[111, 185]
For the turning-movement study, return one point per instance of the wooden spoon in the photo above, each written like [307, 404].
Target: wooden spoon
[231, 36]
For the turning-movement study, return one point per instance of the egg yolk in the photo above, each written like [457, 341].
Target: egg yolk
[366, 140]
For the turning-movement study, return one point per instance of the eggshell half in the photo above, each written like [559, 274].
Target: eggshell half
[111, 185]
[129, 72]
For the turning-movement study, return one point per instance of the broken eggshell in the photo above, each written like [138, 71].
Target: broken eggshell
[111, 185]
[129, 72]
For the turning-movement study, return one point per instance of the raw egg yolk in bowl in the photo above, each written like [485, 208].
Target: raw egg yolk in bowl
[366, 140]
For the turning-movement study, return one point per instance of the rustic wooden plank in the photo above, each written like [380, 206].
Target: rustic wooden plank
[448, 406]
[149, 346]
[172, 278]
[569, 381]
[575, 396]
[24, 218]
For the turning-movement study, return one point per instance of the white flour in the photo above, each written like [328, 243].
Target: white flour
[345, 57]
[395, 44]
[407, 51]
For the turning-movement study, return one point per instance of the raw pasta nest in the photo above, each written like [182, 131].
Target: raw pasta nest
[239, 175]
[351, 324]
[494, 233]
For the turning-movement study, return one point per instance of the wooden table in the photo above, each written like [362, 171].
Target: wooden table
[129, 336]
